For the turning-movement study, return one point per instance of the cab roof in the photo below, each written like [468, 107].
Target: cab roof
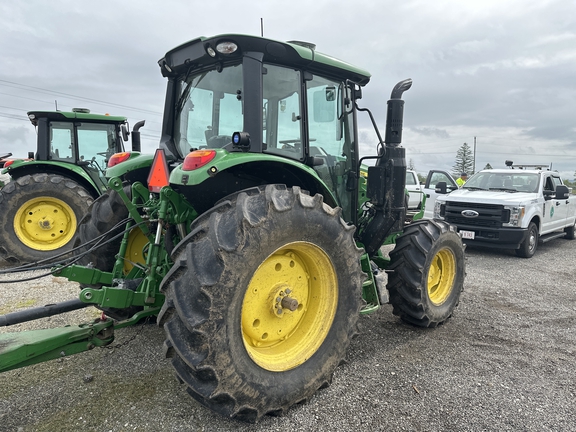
[298, 54]
[69, 116]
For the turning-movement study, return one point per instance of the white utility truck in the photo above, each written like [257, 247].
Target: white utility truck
[513, 208]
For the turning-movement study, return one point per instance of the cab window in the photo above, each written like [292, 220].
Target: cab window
[62, 141]
[282, 132]
[332, 138]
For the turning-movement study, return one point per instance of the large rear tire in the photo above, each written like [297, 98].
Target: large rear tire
[262, 301]
[426, 273]
[39, 214]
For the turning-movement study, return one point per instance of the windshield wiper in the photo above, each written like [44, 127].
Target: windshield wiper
[503, 189]
[473, 188]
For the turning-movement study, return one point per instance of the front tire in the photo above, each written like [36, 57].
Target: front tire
[426, 273]
[570, 234]
[262, 301]
[39, 214]
[528, 247]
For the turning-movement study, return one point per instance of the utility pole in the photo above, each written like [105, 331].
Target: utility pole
[474, 156]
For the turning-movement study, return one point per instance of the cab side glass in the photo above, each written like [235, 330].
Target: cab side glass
[324, 102]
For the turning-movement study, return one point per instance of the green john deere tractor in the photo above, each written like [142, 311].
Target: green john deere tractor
[256, 238]
[50, 191]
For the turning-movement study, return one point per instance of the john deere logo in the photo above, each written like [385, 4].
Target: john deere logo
[470, 213]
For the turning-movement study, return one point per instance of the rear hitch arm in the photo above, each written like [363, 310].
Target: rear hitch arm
[35, 346]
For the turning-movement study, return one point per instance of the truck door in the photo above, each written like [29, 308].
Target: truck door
[555, 210]
[434, 177]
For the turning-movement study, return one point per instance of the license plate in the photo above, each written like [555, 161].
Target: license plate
[467, 234]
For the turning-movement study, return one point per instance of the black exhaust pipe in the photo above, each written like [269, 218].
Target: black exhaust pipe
[136, 143]
[387, 179]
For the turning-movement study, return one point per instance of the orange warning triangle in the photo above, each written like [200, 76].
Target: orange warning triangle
[158, 177]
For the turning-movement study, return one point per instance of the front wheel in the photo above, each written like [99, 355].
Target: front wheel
[570, 235]
[426, 273]
[262, 301]
[39, 214]
[528, 247]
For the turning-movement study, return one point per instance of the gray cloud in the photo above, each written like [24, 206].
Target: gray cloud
[502, 72]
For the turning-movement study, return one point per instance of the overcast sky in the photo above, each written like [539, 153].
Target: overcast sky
[499, 71]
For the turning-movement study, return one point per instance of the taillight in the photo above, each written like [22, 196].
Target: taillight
[118, 158]
[8, 163]
[197, 159]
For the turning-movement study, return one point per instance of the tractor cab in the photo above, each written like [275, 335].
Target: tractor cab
[291, 107]
[78, 138]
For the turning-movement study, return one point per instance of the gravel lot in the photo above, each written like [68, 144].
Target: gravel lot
[504, 361]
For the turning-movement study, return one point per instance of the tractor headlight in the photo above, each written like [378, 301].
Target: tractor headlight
[226, 47]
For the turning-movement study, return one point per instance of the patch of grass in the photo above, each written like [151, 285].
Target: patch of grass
[22, 304]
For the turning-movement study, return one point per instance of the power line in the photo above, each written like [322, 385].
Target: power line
[17, 85]
[14, 116]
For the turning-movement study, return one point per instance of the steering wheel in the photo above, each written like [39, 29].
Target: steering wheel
[291, 144]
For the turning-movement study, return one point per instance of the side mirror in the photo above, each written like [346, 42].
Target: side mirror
[125, 132]
[562, 192]
[441, 188]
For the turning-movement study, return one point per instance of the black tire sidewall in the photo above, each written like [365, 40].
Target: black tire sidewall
[20, 191]
[524, 251]
[220, 282]
[446, 240]
[303, 375]
[410, 265]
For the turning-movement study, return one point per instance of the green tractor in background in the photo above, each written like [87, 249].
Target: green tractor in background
[256, 238]
[50, 191]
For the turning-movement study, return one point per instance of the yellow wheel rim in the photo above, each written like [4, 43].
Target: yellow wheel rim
[136, 250]
[45, 223]
[441, 276]
[289, 306]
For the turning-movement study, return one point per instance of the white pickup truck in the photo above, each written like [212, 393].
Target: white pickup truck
[508, 208]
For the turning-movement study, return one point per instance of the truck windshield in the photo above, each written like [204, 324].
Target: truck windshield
[513, 181]
[209, 109]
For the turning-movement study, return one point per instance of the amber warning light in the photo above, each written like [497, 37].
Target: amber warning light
[158, 177]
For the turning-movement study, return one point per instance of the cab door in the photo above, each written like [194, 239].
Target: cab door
[434, 177]
[555, 210]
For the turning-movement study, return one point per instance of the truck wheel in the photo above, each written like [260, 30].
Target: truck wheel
[39, 214]
[426, 273]
[570, 235]
[262, 301]
[528, 247]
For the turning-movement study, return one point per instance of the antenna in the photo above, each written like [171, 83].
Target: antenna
[56, 103]
[262, 27]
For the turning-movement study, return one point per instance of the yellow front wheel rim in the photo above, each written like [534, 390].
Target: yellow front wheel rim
[441, 276]
[45, 223]
[289, 306]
